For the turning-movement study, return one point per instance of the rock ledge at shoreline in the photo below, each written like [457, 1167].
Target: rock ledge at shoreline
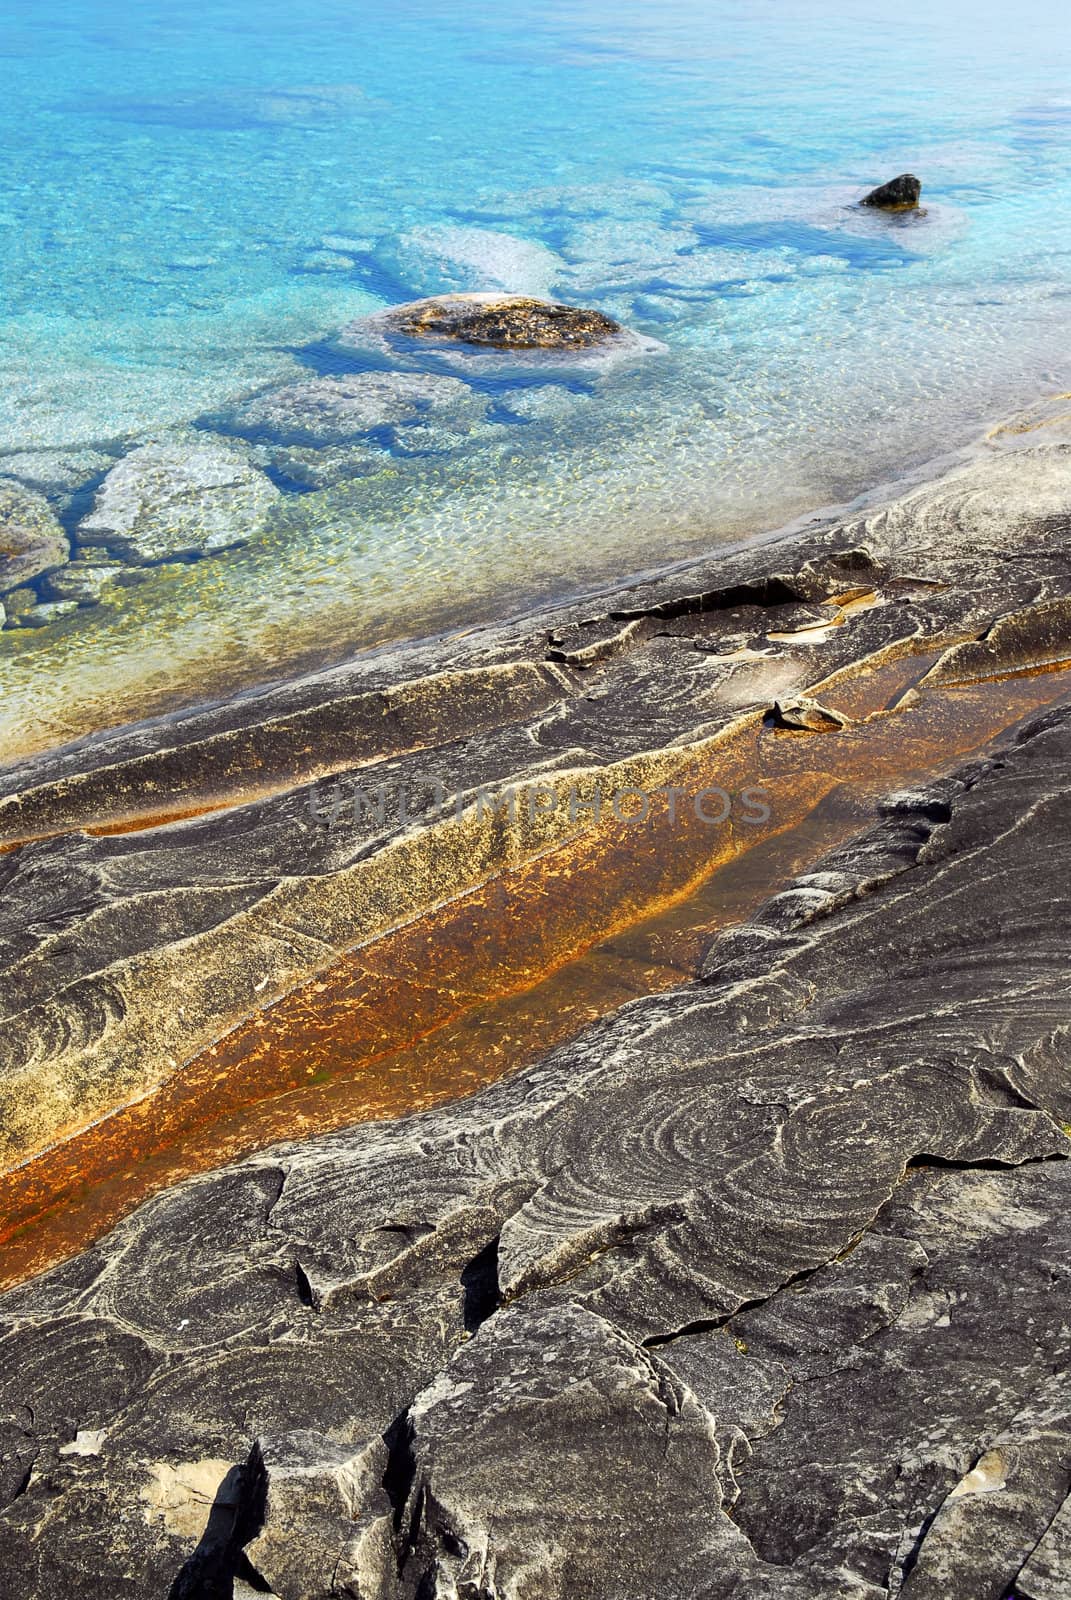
[757, 1286]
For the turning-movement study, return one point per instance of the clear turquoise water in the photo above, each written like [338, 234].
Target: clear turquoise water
[186, 200]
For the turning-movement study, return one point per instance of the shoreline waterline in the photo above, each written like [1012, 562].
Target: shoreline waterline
[157, 696]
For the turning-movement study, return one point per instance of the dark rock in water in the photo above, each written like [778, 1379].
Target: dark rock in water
[489, 332]
[899, 194]
[514, 322]
[31, 540]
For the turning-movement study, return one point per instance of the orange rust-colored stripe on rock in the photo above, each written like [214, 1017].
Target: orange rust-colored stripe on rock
[457, 999]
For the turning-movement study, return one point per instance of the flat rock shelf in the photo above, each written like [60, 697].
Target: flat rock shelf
[617, 1206]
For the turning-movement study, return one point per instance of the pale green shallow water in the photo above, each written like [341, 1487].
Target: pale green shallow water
[170, 184]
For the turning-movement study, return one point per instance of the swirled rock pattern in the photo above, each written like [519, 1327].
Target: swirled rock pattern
[758, 1288]
[225, 912]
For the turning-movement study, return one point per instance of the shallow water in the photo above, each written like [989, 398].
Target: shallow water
[190, 206]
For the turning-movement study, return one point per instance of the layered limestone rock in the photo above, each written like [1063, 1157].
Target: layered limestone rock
[641, 691]
[757, 1288]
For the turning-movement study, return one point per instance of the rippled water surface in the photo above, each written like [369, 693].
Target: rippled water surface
[191, 205]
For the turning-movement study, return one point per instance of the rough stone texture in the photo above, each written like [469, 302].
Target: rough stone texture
[487, 333]
[506, 324]
[325, 1522]
[31, 540]
[180, 499]
[757, 1288]
[236, 909]
[691, 1308]
[802, 711]
[899, 194]
[1045, 1575]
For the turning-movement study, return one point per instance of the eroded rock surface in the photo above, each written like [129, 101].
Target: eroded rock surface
[506, 324]
[238, 907]
[756, 1288]
[759, 1288]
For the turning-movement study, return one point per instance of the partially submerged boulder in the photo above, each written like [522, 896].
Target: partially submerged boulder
[514, 322]
[493, 332]
[899, 194]
[178, 499]
[31, 540]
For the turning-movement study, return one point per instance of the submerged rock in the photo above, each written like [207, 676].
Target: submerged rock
[899, 194]
[334, 410]
[438, 258]
[18, 603]
[306, 467]
[31, 540]
[41, 616]
[238, 109]
[83, 580]
[57, 472]
[327, 261]
[178, 499]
